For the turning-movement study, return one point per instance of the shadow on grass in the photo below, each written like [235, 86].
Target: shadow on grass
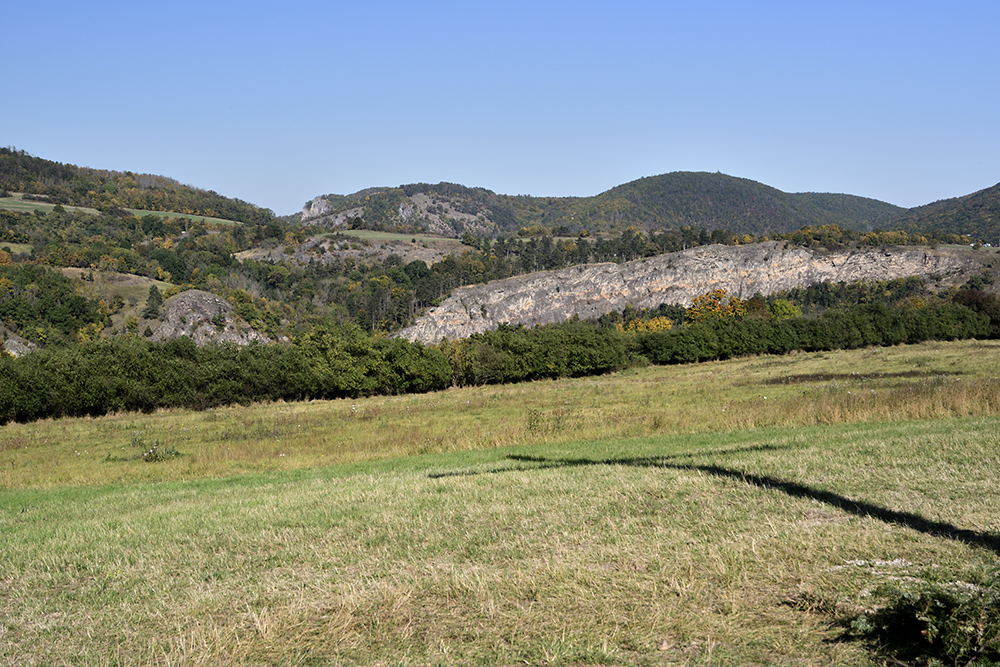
[794, 489]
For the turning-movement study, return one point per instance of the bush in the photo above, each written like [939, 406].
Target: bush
[956, 623]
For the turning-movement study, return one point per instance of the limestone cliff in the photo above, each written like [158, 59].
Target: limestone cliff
[591, 290]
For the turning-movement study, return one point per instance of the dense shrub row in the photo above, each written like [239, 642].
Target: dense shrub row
[133, 374]
[838, 328]
[518, 354]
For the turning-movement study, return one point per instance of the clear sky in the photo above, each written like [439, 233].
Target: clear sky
[277, 102]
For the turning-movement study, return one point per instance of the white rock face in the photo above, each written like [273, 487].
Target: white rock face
[592, 290]
[317, 208]
[13, 344]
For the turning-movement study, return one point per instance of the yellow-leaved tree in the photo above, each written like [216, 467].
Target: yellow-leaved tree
[650, 325]
[718, 303]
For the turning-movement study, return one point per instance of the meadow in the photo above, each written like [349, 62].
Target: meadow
[725, 513]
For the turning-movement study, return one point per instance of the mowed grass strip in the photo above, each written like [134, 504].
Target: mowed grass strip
[730, 549]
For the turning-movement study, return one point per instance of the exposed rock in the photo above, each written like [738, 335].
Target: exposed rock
[589, 291]
[204, 317]
[316, 208]
[13, 344]
[320, 213]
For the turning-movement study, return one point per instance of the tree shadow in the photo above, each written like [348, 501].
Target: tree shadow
[860, 508]
[542, 463]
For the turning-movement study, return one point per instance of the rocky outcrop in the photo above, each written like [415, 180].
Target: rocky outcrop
[316, 208]
[13, 344]
[320, 213]
[592, 290]
[204, 317]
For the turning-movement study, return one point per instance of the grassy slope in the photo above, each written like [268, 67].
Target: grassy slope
[16, 203]
[661, 516]
[107, 285]
[15, 247]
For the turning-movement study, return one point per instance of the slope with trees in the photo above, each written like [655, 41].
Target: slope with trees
[115, 190]
[976, 214]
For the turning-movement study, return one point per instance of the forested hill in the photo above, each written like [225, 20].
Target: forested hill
[976, 214]
[668, 201]
[106, 190]
[717, 201]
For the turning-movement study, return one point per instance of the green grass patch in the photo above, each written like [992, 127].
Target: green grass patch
[167, 215]
[16, 247]
[133, 290]
[741, 548]
[755, 511]
[16, 203]
[932, 380]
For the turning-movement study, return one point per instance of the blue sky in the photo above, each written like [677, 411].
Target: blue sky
[275, 103]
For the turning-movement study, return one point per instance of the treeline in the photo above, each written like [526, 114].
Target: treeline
[114, 190]
[849, 327]
[133, 374]
[976, 214]
[125, 374]
[385, 296]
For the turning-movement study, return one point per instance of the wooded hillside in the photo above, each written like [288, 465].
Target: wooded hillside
[110, 190]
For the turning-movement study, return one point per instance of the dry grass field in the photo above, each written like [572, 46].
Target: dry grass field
[730, 513]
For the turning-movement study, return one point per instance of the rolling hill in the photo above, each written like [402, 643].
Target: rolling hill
[667, 201]
[711, 201]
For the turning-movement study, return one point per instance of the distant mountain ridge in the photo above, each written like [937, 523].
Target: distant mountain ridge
[668, 201]
[711, 201]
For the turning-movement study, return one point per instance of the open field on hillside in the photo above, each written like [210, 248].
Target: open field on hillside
[728, 513]
[16, 203]
[109, 285]
[166, 215]
[16, 248]
[372, 235]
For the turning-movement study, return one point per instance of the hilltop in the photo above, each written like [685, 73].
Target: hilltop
[338, 261]
[672, 201]
[710, 201]
[668, 201]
